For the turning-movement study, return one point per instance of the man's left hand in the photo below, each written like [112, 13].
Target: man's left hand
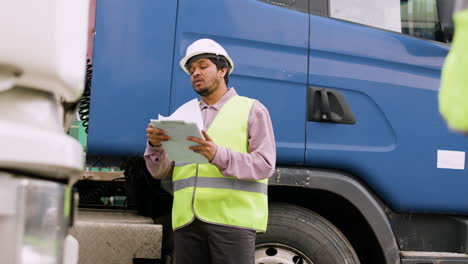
[207, 147]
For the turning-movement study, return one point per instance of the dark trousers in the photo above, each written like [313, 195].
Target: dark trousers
[203, 243]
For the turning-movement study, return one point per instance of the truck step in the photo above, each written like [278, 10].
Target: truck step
[118, 237]
[419, 257]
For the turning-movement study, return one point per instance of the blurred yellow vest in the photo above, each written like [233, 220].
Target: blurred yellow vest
[453, 96]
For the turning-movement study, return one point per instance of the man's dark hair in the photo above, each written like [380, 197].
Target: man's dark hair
[219, 61]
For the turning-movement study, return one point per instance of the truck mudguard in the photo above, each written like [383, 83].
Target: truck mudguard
[352, 190]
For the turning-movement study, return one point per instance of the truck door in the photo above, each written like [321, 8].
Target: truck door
[344, 125]
[268, 43]
[132, 68]
[373, 111]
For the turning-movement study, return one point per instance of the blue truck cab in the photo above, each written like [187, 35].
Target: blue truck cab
[367, 171]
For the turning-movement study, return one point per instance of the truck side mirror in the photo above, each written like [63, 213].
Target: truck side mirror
[445, 10]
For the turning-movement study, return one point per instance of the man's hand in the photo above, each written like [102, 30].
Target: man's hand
[207, 147]
[156, 136]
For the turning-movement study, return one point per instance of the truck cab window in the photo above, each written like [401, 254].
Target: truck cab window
[419, 18]
[383, 14]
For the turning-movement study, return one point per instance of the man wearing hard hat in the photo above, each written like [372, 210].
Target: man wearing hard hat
[218, 206]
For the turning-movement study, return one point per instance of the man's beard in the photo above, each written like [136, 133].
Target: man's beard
[208, 90]
[204, 92]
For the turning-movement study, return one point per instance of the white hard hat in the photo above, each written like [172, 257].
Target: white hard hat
[205, 46]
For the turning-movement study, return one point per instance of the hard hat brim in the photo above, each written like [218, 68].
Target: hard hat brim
[184, 61]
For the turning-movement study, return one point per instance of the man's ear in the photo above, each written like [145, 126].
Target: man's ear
[223, 72]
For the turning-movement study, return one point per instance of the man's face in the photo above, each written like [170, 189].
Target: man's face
[205, 77]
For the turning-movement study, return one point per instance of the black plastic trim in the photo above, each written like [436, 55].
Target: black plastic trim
[430, 232]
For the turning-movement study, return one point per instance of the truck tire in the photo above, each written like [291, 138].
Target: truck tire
[299, 236]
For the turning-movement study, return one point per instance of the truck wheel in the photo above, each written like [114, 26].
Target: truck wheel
[296, 235]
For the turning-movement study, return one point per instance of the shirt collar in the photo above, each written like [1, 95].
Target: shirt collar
[230, 93]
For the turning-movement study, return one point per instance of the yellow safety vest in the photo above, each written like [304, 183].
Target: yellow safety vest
[201, 191]
[453, 96]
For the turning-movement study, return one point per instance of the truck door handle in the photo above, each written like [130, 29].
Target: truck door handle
[327, 105]
[325, 112]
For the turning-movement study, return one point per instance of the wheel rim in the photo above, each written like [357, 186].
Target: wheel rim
[274, 253]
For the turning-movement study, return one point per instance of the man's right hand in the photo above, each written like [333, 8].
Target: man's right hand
[156, 136]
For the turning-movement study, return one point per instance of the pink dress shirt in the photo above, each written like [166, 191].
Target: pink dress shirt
[257, 164]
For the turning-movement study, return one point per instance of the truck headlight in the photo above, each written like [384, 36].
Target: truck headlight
[34, 220]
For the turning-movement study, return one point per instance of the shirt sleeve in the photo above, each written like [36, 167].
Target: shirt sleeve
[259, 162]
[157, 162]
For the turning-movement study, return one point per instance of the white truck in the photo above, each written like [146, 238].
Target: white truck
[42, 64]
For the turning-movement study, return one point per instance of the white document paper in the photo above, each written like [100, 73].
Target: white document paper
[188, 112]
[185, 121]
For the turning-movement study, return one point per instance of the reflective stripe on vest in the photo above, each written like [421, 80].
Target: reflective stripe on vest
[201, 190]
[222, 183]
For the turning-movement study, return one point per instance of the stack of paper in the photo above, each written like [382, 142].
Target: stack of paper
[185, 121]
[189, 112]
